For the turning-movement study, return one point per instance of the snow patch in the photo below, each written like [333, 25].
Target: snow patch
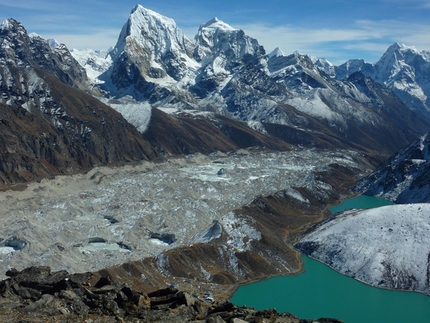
[138, 114]
[239, 231]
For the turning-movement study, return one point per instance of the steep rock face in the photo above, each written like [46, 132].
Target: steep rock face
[402, 69]
[222, 50]
[151, 49]
[403, 178]
[216, 38]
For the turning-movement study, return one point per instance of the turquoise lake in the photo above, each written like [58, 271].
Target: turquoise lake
[362, 201]
[322, 292]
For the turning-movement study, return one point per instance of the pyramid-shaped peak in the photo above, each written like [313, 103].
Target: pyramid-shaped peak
[141, 16]
[212, 21]
[216, 23]
[149, 38]
[150, 27]
[395, 53]
[397, 47]
[277, 52]
[139, 9]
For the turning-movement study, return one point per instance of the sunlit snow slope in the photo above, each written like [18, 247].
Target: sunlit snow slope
[386, 247]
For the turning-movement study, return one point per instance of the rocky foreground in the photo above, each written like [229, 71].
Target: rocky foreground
[36, 294]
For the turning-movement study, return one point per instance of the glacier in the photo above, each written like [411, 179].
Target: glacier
[111, 215]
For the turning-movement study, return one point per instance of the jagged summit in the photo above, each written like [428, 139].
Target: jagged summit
[150, 47]
[276, 53]
[218, 24]
[401, 47]
[216, 37]
[9, 24]
[148, 29]
[403, 69]
[140, 16]
[12, 26]
[53, 43]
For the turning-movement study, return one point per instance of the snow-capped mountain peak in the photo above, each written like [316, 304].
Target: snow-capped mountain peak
[217, 24]
[10, 24]
[324, 65]
[276, 53]
[216, 37]
[13, 28]
[151, 31]
[150, 48]
[403, 69]
[53, 43]
[94, 62]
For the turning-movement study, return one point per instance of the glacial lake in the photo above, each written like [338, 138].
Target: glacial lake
[322, 292]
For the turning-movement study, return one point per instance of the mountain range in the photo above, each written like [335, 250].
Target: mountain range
[402, 69]
[220, 91]
[228, 73]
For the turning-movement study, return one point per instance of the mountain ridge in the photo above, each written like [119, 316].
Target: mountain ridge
[404, 177]
[402, 69]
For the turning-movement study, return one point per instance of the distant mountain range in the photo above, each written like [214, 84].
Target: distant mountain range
[402, 69]
[220, 91]
[298, 98]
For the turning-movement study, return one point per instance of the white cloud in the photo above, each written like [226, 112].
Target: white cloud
[331, 43]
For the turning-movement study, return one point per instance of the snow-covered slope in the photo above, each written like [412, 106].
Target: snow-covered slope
[387, 247]
[403, 178]
[94, 62]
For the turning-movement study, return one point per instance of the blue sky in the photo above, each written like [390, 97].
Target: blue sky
[334, 29]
